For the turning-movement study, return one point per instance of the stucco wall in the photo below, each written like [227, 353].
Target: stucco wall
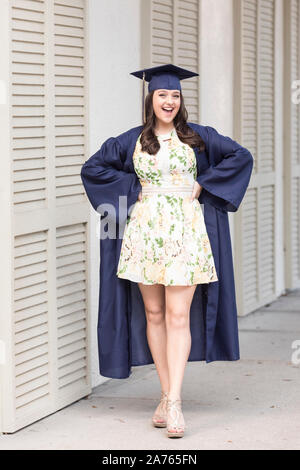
[114, 102]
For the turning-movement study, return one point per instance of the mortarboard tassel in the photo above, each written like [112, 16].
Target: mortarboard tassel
[144, 113]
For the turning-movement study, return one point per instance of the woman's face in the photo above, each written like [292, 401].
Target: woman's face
[166, 104]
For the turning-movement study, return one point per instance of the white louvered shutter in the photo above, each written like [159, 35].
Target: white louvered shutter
[46, 325]
[292, 145]
[170, 34]
[254, 124]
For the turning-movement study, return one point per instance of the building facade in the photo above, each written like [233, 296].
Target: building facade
[65, 88]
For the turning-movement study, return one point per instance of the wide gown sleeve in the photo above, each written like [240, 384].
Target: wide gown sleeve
[105, 181]
[225, 183]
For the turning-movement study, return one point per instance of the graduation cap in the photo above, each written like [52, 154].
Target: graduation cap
[165, 77]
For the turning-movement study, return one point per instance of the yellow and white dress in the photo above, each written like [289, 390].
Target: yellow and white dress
[165, 239]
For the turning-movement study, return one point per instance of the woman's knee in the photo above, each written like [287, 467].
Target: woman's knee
[155, 313]
[154, 302]
[177, 317]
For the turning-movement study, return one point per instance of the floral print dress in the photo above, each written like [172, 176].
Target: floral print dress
[165, 239]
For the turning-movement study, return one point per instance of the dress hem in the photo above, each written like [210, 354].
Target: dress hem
[142, 281]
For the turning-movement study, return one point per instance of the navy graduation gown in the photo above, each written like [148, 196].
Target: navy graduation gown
[223, 170]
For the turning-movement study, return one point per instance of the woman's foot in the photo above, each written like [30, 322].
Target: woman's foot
[159, 419]
[175, 420]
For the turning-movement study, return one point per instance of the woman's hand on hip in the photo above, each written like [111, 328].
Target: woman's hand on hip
[196, 191]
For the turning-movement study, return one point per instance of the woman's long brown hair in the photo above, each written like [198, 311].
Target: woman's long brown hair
[149, 141]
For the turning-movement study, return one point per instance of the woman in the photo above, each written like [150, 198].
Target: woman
[166, 249]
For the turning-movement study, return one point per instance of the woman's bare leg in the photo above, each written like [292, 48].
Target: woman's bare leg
[178, 303]
[154, 302]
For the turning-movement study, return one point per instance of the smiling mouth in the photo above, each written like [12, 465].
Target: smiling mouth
[168, 111]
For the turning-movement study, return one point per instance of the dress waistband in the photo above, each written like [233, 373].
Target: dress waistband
[166, 189]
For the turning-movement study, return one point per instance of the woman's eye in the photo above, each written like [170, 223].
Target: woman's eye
[174, 96]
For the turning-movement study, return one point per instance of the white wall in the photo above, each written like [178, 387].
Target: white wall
[216, 69]
[114, 104]
[216, 56]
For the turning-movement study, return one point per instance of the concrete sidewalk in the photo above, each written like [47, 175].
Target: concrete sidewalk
[249, 404]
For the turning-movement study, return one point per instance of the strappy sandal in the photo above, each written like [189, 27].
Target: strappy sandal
[175, 421]
[159, 419]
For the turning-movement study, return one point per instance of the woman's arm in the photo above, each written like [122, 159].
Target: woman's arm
[225, 182]
[105, 181]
